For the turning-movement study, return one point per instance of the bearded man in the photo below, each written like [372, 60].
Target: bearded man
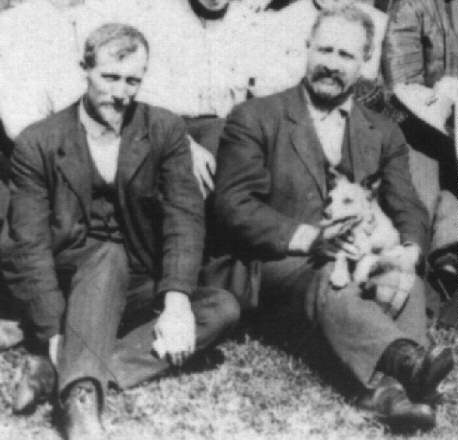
[270, 197]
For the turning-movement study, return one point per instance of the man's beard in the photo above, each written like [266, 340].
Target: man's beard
[201, 11]
[111, 114]
[323, 100]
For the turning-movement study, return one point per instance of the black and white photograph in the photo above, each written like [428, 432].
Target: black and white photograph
[228, 219]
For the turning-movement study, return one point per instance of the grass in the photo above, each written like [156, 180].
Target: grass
[251, 388]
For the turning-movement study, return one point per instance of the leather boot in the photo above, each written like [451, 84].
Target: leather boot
[36, 384]
[81, 408]
[390, 404]
[418, 370]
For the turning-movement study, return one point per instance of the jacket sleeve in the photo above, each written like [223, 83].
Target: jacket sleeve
[28, 262]
[242, 189]
[398, 195]
[183, 214]
[403, 50]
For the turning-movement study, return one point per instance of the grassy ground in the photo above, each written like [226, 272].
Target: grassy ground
[248, 389]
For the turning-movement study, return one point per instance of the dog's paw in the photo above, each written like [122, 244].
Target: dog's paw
[339, 279]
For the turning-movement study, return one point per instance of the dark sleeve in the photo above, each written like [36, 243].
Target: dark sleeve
[27, 259]
[183, 214]
[402, 58]
[243, 185]
[398, 195]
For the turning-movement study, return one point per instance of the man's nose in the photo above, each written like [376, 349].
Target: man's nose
[333, 62]
[120, 92]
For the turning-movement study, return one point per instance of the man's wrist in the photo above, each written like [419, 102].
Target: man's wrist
[176, 300]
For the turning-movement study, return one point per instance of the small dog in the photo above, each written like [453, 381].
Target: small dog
[373, 235]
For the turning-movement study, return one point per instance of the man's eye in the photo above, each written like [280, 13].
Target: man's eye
[346, 55]
[109, 77]
[347, 201]
[133, 81]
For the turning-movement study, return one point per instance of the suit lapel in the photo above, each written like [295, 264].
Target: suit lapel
[365, 143]
[74, 162]
[305, 140]
[135, 147]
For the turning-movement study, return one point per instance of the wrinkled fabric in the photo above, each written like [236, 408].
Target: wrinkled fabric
[421, 45]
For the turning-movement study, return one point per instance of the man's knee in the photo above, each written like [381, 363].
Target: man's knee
[228, 308]
[224, 306]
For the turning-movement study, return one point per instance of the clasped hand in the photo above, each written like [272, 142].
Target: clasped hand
[175, 330]
[204, 166]
[335, 236]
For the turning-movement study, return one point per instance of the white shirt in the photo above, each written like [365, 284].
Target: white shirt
[330, 128]
[38, 64]
[103, 144]
[197, 67]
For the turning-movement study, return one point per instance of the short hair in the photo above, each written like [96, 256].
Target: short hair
[352, 14]
[129, 37]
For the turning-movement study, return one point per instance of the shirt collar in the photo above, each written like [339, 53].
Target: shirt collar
[94, 129]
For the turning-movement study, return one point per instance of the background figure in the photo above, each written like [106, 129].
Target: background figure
[421, 47]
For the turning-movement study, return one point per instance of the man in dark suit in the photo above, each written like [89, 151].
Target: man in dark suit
[106, 228]
[270, 198]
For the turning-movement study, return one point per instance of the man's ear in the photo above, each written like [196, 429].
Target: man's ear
[372, 183]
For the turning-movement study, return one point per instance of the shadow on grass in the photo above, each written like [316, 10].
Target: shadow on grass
[283, 326]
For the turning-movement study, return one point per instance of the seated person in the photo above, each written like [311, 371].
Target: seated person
[270, 199]
[421, 51]
[106, 222]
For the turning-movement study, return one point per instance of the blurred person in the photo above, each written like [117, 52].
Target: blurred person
[105, 241]
[199, 69]
[421, 60]
[271, 195]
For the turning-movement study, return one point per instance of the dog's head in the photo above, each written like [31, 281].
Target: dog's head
[347, 198]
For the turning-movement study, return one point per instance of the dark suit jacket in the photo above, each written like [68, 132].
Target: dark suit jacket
[271, 173]
[161, 206]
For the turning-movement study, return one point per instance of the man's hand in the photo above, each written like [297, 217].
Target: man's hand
[175, 330]
[447, 87]
[336, 237]
[327, 240]
[204, 166]
[391, 290]
[55, 344]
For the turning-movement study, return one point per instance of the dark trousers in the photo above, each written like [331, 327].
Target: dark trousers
[357, 329]
[102, 296]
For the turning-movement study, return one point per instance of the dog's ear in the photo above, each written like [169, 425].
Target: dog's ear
[372, 183]
[344, 172]
[334, 173]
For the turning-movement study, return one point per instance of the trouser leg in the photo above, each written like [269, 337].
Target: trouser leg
[357, 329]
[215, 311]
[94, 308]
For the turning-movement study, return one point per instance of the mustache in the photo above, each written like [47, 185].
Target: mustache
[117, 104]
[323, 72]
